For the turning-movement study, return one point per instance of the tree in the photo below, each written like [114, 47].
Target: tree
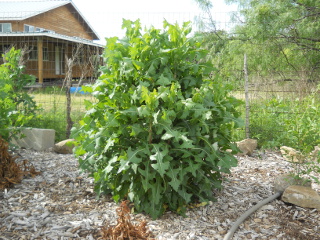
[292, 23]
[296, 21]
[159, 131]
[278, 36]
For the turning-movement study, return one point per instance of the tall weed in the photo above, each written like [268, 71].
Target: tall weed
[282, 121]
[290, 122]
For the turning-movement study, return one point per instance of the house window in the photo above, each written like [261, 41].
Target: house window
[5, 27]
[33, 53]
[39, 29]
[45, 54]
[28, 28]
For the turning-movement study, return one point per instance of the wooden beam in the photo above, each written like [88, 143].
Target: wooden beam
[40, 59]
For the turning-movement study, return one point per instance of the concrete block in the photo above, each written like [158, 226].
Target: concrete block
[36, 138]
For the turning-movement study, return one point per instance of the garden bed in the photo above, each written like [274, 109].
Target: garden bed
[60, 204]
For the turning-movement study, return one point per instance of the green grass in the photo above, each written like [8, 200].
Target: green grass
[52, 102]
[284, 121]
[283, 113]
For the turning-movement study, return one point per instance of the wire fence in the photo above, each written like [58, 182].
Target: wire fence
[50, 50]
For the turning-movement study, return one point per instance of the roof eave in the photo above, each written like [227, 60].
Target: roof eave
[39, 12]
[52, 35]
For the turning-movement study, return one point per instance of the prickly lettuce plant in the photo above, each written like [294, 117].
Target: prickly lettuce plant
[159, 130]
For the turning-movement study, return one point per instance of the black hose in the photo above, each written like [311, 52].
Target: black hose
[235, 226]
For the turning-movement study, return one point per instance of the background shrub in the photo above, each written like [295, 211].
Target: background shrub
[285, 121]
[17, 107]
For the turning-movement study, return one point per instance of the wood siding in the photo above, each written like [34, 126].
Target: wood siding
[63, 20]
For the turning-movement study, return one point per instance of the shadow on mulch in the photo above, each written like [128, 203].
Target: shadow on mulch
[295, 228]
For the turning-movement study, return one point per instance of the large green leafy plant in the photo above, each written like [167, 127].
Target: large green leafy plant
[17, 107]
[159, 130]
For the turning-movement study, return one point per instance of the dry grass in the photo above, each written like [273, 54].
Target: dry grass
[56, 102]
[287, 89]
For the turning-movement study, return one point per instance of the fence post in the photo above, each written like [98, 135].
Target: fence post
[246, 91]
[68, 79]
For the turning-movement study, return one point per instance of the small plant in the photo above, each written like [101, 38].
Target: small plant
[159, 131]
[306, 169]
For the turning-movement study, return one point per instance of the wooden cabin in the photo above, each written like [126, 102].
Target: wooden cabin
[50, 34]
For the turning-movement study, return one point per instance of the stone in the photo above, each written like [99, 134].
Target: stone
[64, 147]
[291, 155]
[247, 146]
[315, 154]
[285, 180]
[36, 138]
[301, 196]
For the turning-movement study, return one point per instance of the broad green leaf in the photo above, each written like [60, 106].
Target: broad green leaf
[155, 117]
[163, 80]
[187, 143]
[167, 136]
[186, 196]
[124, 165]
[227, 161]
[147, 176]
[169, 132]
[132, 155]
[139, 65]
[173, 174]
[136, 129]
[110, 166]
[143, 111]
[160, 158]
[110, 143]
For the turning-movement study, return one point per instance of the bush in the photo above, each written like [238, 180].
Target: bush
[159, 130]
[16, 107]
[292, 122]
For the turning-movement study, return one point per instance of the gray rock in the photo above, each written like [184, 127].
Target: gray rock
[292, 155]
[64, 147]
[285, 180]
[247, 146]
[301, 196]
